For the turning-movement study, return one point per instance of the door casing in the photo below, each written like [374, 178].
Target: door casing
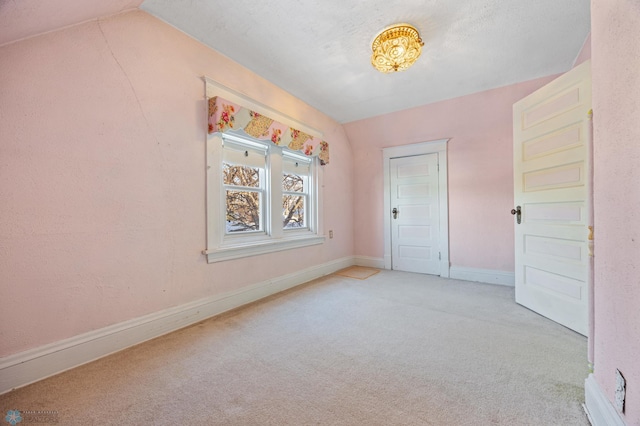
[438, 147]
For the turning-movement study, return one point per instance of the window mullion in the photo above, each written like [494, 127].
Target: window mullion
[275, 169]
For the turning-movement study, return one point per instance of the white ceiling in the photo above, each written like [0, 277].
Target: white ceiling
[320, 50]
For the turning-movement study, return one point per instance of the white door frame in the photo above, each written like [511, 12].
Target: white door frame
[432, 147]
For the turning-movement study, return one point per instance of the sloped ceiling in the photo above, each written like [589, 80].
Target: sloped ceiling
[320, 51]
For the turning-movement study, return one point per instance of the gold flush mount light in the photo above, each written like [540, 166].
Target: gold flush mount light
[396, 48]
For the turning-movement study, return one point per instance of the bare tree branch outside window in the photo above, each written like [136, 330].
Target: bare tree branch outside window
[293, 206]
[243, 204]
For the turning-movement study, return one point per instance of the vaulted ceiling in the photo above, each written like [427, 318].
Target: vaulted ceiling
[320, 51]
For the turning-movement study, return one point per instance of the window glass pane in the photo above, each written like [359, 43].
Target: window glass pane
[292, 183]
[293, 211]
[241, 175]
[243, 211]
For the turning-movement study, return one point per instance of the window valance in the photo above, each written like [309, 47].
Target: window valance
[225, 115]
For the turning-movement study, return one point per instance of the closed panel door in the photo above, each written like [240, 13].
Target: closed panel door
[551, 142]
[415, 214]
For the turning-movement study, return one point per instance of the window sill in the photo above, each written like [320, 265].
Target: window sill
[256, 248]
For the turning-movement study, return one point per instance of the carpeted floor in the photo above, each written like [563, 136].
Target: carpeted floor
[394, 349]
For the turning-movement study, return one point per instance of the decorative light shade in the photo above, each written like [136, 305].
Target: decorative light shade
[396, 48]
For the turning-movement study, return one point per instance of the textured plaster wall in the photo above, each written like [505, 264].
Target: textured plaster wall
[26, 18]
[102, 179]
[616, 110]
[480, 165]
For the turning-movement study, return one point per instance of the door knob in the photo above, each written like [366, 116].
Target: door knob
[395, 213]
[518, 212]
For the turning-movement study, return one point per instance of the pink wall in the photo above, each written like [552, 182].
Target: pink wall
[480, 172]
[585, 52]
[26, 18]
[102, 179]
[616, 110]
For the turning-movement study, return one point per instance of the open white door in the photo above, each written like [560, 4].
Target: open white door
[551, 142]
[415, 225]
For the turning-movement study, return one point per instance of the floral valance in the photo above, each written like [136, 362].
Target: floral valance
[225, 115]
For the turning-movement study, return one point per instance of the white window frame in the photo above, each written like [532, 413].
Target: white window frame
[222, 246]
[308, 191]
[258, 151]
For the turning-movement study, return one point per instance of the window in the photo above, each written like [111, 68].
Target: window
[244, 183]
[261, 198]
[296, 176]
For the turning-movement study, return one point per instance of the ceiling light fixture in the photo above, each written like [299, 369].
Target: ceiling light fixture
[396, 48]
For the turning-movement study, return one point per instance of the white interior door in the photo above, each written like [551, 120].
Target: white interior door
[551, 142]
[415, 224]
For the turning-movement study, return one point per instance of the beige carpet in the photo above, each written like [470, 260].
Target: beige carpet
[358, 272]
[395, 349]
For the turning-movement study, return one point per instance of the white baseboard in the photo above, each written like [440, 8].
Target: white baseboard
[371, 262]
[39, 363]
[387, 261]
[599, 410]
[488, 276]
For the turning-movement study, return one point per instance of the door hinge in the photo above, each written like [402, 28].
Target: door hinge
[438, 166]
[439, 256]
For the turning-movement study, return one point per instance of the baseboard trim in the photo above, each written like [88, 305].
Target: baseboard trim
[371, 262]
[488, 276]
[598, 408]
[39, 363]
